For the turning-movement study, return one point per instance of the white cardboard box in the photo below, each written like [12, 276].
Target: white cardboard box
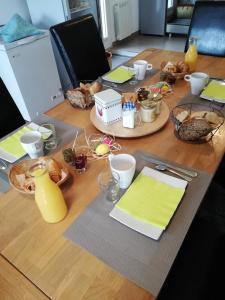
[108, 106]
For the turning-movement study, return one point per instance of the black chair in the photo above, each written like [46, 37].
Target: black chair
[81, 48]
[208, 24]
[10, 116]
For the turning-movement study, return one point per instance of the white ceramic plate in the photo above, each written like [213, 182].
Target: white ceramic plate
[142, 227]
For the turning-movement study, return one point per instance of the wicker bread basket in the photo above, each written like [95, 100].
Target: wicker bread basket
[21, 169]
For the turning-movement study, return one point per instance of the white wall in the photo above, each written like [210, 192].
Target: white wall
[135, 14]
[9, 7]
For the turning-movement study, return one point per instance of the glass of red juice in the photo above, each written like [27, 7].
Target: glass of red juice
[80, 160]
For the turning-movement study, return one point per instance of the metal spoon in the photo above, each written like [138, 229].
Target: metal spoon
[3, 165]
[164, 168]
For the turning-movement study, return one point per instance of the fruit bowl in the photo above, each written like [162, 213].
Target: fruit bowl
[20, 179]
[196, 123]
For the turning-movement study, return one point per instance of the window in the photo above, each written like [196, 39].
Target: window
[103, 11]
[170, 3]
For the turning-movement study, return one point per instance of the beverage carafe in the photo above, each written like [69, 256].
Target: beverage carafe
[192, 54]
[48, 196]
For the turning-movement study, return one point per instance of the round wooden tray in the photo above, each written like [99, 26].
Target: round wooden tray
[116, 129]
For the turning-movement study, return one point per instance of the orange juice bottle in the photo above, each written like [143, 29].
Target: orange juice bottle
[48, 195]
[191, 55]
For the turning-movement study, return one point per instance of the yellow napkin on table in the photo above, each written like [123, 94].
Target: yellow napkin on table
[215, 90]
[151, 201]
[12, 144]
[120, 74]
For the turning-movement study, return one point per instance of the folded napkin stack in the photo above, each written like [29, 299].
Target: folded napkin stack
[119, 75]
[151, 201]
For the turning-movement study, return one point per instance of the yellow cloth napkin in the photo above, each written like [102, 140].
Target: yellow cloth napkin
[120, 74]
[151, 201]
[214, 90]
[12, 144]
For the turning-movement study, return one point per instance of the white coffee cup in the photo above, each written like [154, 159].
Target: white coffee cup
[32, 143]
[198, 81]
[124, 165]
[140, 68]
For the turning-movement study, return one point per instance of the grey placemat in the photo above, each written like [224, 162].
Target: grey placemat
[139, 258]
[196, 99]
[126, 86]
[65, 133]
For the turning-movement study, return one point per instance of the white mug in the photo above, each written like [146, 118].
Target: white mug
[140, 68]
[32, 143]
[198, 81]
[124, 165]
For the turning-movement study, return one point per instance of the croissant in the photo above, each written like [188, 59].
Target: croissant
[129, 97]
[95, 88]
[170, 68]
[182, 67]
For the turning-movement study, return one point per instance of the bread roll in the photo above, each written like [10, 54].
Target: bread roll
[182, 116]
[194, 129]
[126, 97]
[95, 88]
[28, 185]
[76, 97]
[54, 168]
[210, 116]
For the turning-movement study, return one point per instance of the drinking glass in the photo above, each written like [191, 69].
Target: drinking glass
[50, 142]
[109, 183]
[132, 72]
[80, 159]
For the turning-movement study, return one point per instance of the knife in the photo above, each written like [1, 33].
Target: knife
[156, 161]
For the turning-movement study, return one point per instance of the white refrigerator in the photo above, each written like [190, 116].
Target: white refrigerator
[28, 69]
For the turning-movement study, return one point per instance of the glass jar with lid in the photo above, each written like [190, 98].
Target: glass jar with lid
[148, 111]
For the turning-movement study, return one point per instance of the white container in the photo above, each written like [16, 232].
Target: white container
[108, 106]
[28, 70]
[148, 114]
[128, 118]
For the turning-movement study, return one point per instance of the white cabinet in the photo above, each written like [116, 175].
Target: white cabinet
[46, 13]
[29, 72]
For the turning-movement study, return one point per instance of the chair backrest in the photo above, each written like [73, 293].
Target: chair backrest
[208, 25]
[81, 48]
[10, 116]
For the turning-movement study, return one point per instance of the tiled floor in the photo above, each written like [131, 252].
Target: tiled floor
[137, 43]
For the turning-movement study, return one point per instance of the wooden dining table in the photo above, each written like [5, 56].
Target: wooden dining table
[36, 261]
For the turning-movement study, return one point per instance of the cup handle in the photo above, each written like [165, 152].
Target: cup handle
[187, 77]
[149, 67]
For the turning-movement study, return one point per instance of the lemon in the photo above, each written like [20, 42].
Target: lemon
[102, 149]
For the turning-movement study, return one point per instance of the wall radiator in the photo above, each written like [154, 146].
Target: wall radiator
[123, 19]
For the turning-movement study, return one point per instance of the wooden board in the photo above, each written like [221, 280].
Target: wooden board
[40, 252]
[117, 129]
